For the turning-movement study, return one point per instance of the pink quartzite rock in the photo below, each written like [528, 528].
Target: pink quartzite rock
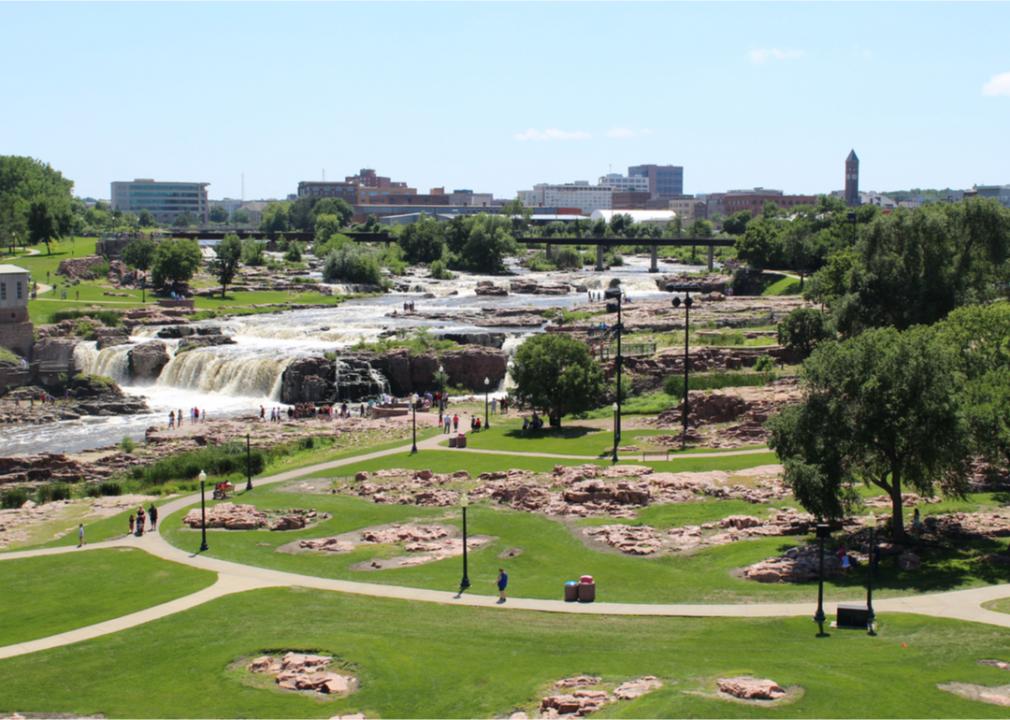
[751, 688]
[636, 688]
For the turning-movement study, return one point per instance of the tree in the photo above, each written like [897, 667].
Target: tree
[175, 261]
[334, 206]
[555, 373]
[252, 252]
[882, 408]
[274, 219]
[218, 214]
[423, 241]
[736, 223]
[42, 224]
[24, 181]
[184, 220]
[229, 255]
[139, 252]
[146, 219]
[240, 216]
[801, 330]
[352, 263]
[487, 245]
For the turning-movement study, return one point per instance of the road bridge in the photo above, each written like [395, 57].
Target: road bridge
[653, 243]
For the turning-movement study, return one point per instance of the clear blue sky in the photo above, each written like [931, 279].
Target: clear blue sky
[496, 97]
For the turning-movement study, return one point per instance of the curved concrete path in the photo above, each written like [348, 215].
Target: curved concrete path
[236, 577]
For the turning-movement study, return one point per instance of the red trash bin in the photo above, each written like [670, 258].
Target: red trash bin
[587, 592]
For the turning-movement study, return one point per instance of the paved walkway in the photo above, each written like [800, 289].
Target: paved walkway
[236, 577]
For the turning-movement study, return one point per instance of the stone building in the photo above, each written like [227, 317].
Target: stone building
[15, 327]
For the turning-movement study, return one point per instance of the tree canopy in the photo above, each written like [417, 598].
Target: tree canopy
[139, 253]
[25, 182]
[229, 256]
[882, 408]
[556, 374]
[175, 261]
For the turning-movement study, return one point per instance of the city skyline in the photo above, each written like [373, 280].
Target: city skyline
[496, 98]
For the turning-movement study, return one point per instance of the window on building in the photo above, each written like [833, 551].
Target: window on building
[3, 291]
[20, 291]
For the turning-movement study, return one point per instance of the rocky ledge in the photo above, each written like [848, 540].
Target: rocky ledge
[81, 395]
[751, 688]
[584, 695]
[229, 516]
[298, 671]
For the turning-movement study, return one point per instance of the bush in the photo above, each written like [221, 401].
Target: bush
[354, 264]
[92, 491]
[85, 329]
[51, 492]
[439, 270]
[109, 488]
[127, 445]
[109, 318]
[294, 253]
[13, 498]
[568, 258]
[765, 363]
[219, 460]
[801, 330]
[252, 252]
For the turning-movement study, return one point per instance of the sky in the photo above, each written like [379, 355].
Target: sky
[495, 97]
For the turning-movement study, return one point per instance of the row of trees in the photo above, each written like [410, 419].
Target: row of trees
[35, 202]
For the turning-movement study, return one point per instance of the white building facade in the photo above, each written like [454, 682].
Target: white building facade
[581, 195]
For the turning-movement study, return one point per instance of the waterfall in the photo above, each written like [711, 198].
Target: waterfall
[231, 373]
[111, 362]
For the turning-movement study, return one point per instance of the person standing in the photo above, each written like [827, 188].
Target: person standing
[503, 582]
[152, 516]
[455, 423]
[494, 406]
[171, 420]
[140, 521]
[80, 535]
[133, 520]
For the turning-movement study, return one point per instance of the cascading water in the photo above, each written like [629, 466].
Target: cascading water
[111, 362]
[226, 370]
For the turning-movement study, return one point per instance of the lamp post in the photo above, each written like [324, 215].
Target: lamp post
[441, 393]
[687, 361]
[413, 422]
[487, 388]
[464, 502]
[617, 430]
[203, 513]
[871, 616]
[613, 297]
[248, 464]
[823, 532]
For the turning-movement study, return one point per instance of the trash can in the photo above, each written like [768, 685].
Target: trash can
[571, 591]
[587, 592]
[452, 441]
[461, 441]
[586, 579]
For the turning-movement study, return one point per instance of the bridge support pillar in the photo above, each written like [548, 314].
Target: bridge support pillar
[599, 258]
[711, 257]
[654, 258]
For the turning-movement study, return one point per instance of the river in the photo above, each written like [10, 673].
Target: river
[230, 380]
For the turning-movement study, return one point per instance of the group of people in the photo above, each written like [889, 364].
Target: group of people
[196, 415]
[450, 422]
[138, 521]
[533, 423]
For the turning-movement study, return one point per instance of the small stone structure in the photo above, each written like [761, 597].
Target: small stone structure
[746, 687]
[580, 700]
[229, 516]
[299, 671]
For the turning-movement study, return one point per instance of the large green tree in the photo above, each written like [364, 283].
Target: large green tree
[25, 181]
[423, 241]
[882, 408]
[229, 256]
[488, 243]
[175, 262]
[139, 253]
[334, 206]
[556, 374]
[43, 225]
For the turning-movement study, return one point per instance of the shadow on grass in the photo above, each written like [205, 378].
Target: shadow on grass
[571, 432]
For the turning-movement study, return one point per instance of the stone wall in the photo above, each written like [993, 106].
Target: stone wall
[17, 337]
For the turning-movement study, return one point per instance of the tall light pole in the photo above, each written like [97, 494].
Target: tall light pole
[871, 616]
[687, 361]
[203, 513]
[248, 464]
[823, 532]
[613, 297]
[441, 393]
[413, 422]
[464, 502]
[487, 388]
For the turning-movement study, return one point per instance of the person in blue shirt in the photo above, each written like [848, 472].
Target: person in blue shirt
[503, 581]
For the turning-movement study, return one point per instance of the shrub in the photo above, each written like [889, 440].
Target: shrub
[439, 270]
[92, 490]
[252, 252]
[13, 498]
[219, 460]
[567, 258]
[350, 263]
[674, 385]
[801, 330]
[127, 445]
[110, 318]
[110, 488]
[765, 363]
[294, 253]
[85, 329]
[51, 492]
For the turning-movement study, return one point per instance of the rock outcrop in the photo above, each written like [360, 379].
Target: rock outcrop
[300, 671]
[751, 688]
[146, 360]
[83, 268]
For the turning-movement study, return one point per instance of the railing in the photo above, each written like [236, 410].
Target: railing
[637, 349]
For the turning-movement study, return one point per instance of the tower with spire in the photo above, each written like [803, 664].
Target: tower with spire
[852, 179]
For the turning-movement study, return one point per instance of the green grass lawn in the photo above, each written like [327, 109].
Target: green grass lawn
[434, 661]
[48, 595]
[787, 285]
[1002, 605]
[553, 552]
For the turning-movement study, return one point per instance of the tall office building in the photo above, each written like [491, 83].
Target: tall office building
[165, 200]
[665, 181]
[852, 179]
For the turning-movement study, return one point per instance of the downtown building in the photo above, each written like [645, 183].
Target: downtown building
[578, 195]
[166, 201]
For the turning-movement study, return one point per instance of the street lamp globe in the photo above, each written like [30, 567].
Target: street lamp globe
[615, 407]
[203, 476]
[487, 381]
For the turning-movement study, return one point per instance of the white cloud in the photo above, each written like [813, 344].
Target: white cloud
[623, 133]
[552, 134]
[997, 85]
[762, 55]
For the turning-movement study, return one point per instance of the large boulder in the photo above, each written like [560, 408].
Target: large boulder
[147, 360]
[309, 379]
[468, 366]
[85, 268]
[55, 350]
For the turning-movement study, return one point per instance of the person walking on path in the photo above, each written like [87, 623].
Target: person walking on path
[455, 423]
[503, 582]
[447, 424]
[140, 522]
[133, 520]
[80, 535]
[152, 516]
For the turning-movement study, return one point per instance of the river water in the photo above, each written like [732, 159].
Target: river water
[230, 380]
